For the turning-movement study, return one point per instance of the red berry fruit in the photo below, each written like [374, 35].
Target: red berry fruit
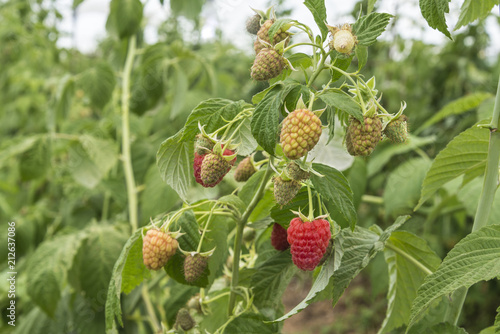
[309, 241]
[279, 238]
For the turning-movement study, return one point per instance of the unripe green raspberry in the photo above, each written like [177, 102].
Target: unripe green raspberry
[300, 132]
[203, 145]
[194, 266]
[184, 320]
[157, 248]
[263, 34]
[267, 65]
[285, 190]
[244, 170]
[213, 169]
[362, 139]
[253, 24]
[397, 131]
[295, 172]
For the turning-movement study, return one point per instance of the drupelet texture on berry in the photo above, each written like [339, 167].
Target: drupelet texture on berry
[244, 170]
[194, 266]
[300, 132]
[263, 34]
[157, 248]
[308, 242]
[285, 190]
[267, 65]
[362, 139]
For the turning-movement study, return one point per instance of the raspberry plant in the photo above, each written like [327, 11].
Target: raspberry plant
[261, 198]
[288, 202]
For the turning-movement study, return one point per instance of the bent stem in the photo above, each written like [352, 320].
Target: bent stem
[239, 235]
[490, 186]
[126, 156]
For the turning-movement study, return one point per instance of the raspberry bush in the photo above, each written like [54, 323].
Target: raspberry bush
[187, 186]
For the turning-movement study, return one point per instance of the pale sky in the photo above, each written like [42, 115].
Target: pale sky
[232, 14]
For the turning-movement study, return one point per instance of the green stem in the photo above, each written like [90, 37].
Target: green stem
[310, 216]
[204, 230]
[318, 70]
[127, 159]
[348, 76]
[239, 235]
[149, 308]
[372, 199]
[490, 186]
[410, 258]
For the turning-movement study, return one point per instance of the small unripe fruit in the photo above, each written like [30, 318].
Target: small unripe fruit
[267, 65]
[285, 190]
[263, 34]
[157, 248]
[295, 172]
[244, 170]
[253, 24]
[184, 320]
[397, 131]
[362, 139]
[344, 41]
[279, 238]
[203, 145]
[194, 266]
[300, 132]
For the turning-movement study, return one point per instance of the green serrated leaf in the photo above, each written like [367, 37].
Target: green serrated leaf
[284, 215]
[251, 323]
[94, 261]
[47, 269]
[433, 11]
[367, 28]
[17, 145]
[402, 192]
[211, 113]
[271, 279]
[98, 83]
[277, 26]
[333, 186]
[157, 197]
[359, 247]
[190, 9]
[178, 295]
[321, 283]
[469, 196]
[405, 275]
[64, 95]
[371, 6]
[233, 202]
[362, 55]
[34, 162]
[474, 258]
[179, 89]
[300, 59]
[174, 159]
[134, 271]
[473, 10]
[243, 138]
[318, 10]
[441, 328]
[265, 118]
[113, 305]
[386, 151]
[466, 152]
[342, 63]
[456, 107]
[125, 17]
[343, 102]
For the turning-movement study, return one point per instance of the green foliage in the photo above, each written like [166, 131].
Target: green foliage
[318, 10]
[409, 261]
[475, 258]
[368, 28]
[473, 10]
[464, 155]
[125, 17]
[433, 12]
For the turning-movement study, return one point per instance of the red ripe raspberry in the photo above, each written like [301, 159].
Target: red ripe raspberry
[309, 242]
[157, 248]
[279, 238]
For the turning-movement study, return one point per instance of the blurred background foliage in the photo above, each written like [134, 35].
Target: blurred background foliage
[60, 170]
